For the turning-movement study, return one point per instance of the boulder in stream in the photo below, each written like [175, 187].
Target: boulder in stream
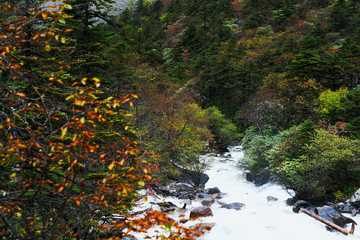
[333, 215]
[304, 204]
[200, 212]
[213, 190]
[329, 213]
[236, 205]
[258, 179]
[291, 201]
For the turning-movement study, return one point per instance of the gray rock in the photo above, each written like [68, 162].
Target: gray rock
[236, 205]
[303, 204]
[291, 201]
[343, 208]
[204, 196]
[271, 199]
[182, 187]
[260, 178]
[333, 215]
[207, 202]
[214, 190]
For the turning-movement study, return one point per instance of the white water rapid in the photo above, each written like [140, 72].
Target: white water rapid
[259, 219]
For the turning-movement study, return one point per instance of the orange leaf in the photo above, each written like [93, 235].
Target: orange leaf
[61, 189]
[21, 94]
[78, 202]
[44, 15]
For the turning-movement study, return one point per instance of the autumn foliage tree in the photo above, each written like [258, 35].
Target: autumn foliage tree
[173, 128]
[67, 155]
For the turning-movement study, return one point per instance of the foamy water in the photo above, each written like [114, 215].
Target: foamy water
[259, 219]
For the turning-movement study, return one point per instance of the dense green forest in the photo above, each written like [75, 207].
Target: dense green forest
[96, 105]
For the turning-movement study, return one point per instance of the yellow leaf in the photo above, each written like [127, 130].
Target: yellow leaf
[111, 166]
[21, 94]
[69, 97]
[83, 81]
[122, 162]
[63, 133]
[96, 80]
[47, 47]
[141, 183]
[82, 120]
[63, 40]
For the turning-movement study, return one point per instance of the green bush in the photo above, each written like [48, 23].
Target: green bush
[257, 147]
[224, 131]
[330, 163]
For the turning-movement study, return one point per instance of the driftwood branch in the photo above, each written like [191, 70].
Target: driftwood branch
[333, 225]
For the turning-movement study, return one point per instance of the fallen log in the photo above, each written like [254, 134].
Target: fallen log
[333, 225]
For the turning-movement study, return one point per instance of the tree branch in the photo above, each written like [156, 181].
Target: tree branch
[10, 226]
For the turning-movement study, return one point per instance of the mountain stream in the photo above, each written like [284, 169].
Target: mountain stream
[260, 219]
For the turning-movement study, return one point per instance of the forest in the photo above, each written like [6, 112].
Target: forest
[101, 98]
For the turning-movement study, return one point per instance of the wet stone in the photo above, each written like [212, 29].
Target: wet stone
[214, 190]
[236, 205]
[200, 212]
[207, 202]
[271, 199]
[204, 195]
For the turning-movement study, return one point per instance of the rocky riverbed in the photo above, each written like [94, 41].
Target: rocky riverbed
[230, 207]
